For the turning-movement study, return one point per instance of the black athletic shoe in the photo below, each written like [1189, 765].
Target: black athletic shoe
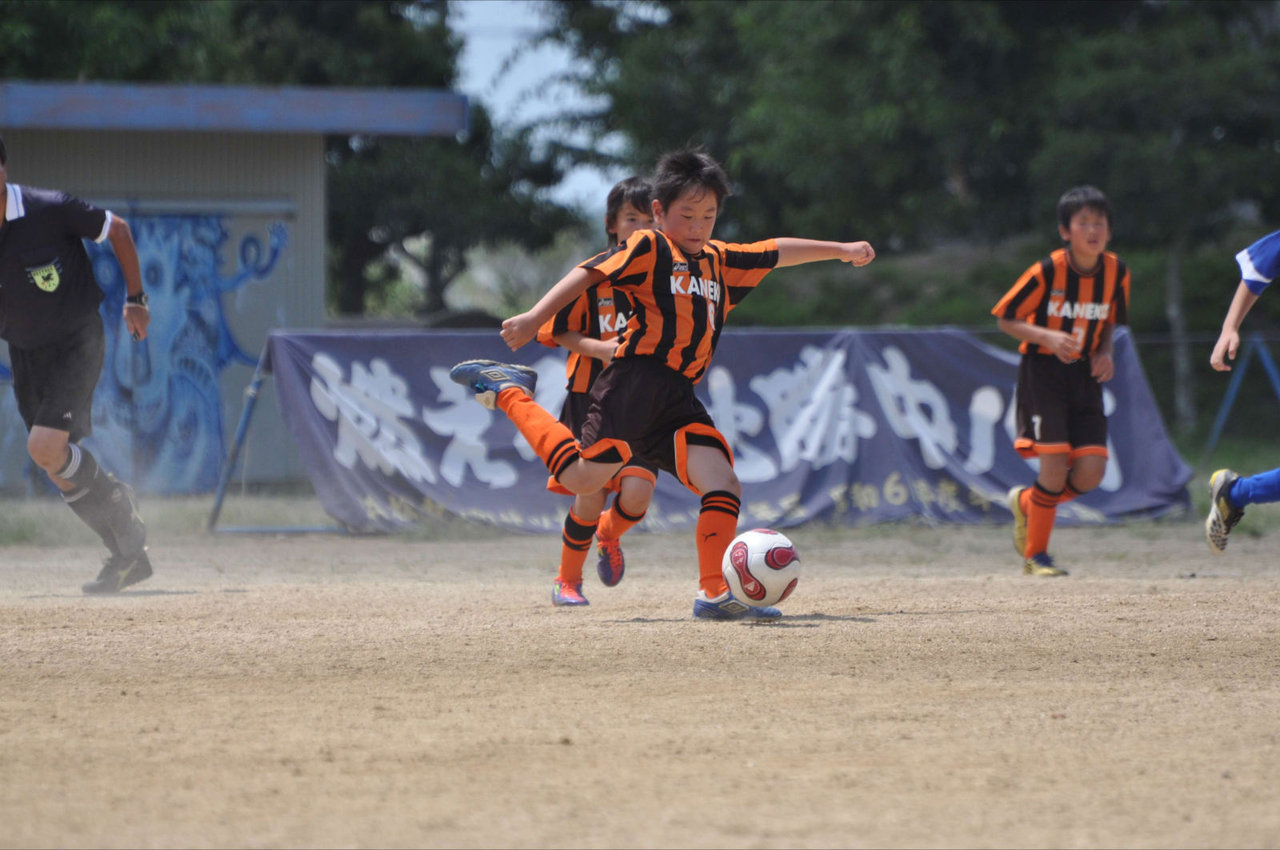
[127, 525]
[118, 572]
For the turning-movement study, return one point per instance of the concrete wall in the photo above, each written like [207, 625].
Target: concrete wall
[230, 229]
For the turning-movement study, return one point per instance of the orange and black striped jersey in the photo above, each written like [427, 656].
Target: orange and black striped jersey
[679, 303]
[598, 313]
[1052, 294]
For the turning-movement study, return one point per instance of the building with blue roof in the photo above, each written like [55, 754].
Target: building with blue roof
[224, 187]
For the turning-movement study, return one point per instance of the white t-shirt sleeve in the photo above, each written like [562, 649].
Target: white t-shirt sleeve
[106, 227]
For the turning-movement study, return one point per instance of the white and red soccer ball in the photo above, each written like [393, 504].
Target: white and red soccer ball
[761, 567]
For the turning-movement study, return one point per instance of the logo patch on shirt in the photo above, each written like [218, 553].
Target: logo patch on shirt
[46, 277]
[679, 267]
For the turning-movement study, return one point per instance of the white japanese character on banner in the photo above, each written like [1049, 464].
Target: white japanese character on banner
[736, 422]
[985, 409]
[916, 409]
[813, 411]
[368, 410]
[465, 422]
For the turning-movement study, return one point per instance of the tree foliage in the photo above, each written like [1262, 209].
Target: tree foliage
[918, 124]
[906, 122]
[914, 122]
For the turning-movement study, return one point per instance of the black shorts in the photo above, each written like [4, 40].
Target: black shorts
[1059, 408]
[574, 414]
[54, 383]
[643, 402]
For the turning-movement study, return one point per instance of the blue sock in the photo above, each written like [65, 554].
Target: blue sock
[1263, 487]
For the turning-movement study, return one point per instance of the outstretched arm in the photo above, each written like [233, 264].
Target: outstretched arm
[795, 252]
[1229, 340]
[518, 330]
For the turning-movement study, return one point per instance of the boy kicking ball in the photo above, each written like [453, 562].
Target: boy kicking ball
[682, 284]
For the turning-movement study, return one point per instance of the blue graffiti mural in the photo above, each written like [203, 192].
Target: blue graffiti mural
[157, 412]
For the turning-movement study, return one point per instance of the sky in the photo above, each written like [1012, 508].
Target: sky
[493, 30]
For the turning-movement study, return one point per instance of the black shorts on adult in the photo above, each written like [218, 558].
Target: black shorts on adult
[642, 401]
[54, 383]
[1059, 406]
[574, 414]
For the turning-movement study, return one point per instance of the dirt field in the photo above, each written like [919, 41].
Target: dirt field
[330, 691]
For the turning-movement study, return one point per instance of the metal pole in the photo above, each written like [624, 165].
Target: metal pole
[1237, 377]
[250, 399]
[1264, 354]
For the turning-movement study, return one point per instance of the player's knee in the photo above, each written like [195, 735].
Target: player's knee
[585, 477]
[1052, 481]
[1087, 472]
[1083, 482]
[634, 494]
[588, 506]
[728, 483]
[49, 452]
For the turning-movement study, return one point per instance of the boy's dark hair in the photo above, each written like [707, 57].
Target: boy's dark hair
[635, 191]
[4, 154]
[1079, 198]
[693, 168]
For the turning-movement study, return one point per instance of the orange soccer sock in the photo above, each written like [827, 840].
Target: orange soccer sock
[548, 436]
[717, 524]
[1041, 509]
[575, 542]
[1068, 493]
[616, 522]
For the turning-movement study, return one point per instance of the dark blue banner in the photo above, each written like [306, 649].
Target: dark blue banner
[850, 427]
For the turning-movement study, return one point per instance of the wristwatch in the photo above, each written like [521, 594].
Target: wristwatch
[140, 299]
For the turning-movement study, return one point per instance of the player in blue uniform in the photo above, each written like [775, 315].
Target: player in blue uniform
[1228, 491]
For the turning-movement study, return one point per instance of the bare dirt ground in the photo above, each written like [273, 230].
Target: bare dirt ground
[385, 692]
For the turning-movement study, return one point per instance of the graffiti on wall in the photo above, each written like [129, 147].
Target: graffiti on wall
[157, 412]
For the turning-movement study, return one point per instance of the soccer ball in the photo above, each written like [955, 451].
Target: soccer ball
[761, 567]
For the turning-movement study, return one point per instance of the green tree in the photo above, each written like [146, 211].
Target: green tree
[1177, 115]
[488, 187]
[903, 122]
[150, 41]
[484, 189]
[920, 124]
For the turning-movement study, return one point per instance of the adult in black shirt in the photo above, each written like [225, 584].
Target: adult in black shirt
[49, 301]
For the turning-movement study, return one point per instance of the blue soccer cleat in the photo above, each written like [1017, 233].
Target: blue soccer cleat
[567, 595]
[725, 607]
[489, 377]
[611, 564]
